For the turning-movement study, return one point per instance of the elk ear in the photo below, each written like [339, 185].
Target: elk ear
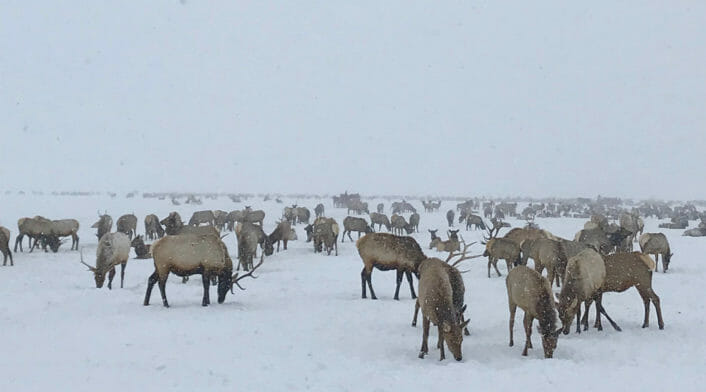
[446, 327]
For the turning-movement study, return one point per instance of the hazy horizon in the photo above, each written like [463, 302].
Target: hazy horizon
[431, 98]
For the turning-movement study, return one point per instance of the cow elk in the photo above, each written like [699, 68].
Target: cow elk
[358, 225]
[127, 224]
[656, 244]
[153, 229]
[5, 246]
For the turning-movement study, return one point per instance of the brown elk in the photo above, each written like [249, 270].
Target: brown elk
[532, 293]
[387, 252]
[199, 217]
[380, 219]
[141, 250]
[113, 249]
[585, 274]
[501, 248]
[359, 225]
[249, 235]
[104, 224]
[656, 244]
[625, 270]
[451, 245]
[127, 224]
[5, 246]
[434, 239]
[153, 229]
[399, 225]
[437, 304]
[281, 233]
[324, 234]
[189, 254]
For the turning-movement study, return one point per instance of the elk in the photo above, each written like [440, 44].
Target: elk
[281, 233]
[437, 304]
[5, 246]
[57, 229]
[172, 223]
[380, 219]
[199, 217]
[324, 233]
[501, 248]
[253, 216]
[104, 225]
[33, 228]
[399, 225]
[457, 287]
[585, 274]
[450, 245]
[153, 229]
[533, 294]
[186, 255]
[414, 222]
[302, 215]
[475, 221]
[380, 208]
[141, 250]
[249, 236]
[434, 239]
[319, 210]
[450, 217]
[656, 244]
[625, 270]
[113, 249]
[127, 224]
[220, 219]
[359, 225]
[386, 252]
[546, 253]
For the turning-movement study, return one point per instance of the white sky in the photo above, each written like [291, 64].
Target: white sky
[541, 98]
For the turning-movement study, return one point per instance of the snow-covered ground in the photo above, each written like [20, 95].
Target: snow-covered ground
[302, 324]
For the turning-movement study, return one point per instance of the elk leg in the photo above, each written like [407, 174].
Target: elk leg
[584, 319]
[527, 322]
[602, 310]
[495, 265]
[206, 280]
[122, 273]
[111, 275]
[349, 236]
[509, 265]
[416, 312]
[369, 278]
[399, 283]
[150, 283]
[578, 318]
[653, 297]
[513, 308]
[411, 284]
[489, 262]
[442, 355]
[162, 283]
[425, 337]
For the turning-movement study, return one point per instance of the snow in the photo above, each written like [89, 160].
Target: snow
[301, 325]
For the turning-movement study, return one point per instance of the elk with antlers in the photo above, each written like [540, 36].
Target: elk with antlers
[189, 254]
[113, 249]
[501, 248]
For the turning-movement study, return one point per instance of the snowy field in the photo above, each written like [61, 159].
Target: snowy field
[303, 326]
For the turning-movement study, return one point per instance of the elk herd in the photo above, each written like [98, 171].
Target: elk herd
[599, 259]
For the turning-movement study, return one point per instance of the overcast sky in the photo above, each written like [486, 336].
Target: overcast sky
[540, 98]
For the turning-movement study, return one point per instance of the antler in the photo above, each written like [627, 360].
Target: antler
[90, 268]
[249, 274]
[462, 254]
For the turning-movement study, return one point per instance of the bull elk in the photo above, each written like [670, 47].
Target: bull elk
[113, 249]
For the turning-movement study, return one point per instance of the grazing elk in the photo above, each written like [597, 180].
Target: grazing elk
[5, 246]
[61, 228]
[400, 225]
[324, 234]
[414, 222]
[113, 249]
[533, 294]
[281, 233]
[153, 229]
[141, 250]
[450, 217]
[656, 244]
[438, 307]
[625, 270]
[302, 215]
[33, 228]
[249, 235]
[104, 225]
[186, 255]
[585, 274]
[127, 224]
[380, 219]
[319, 210]
[475, 221]
[548, 254]
[386, 252]
[199, 217]
[359, 225]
